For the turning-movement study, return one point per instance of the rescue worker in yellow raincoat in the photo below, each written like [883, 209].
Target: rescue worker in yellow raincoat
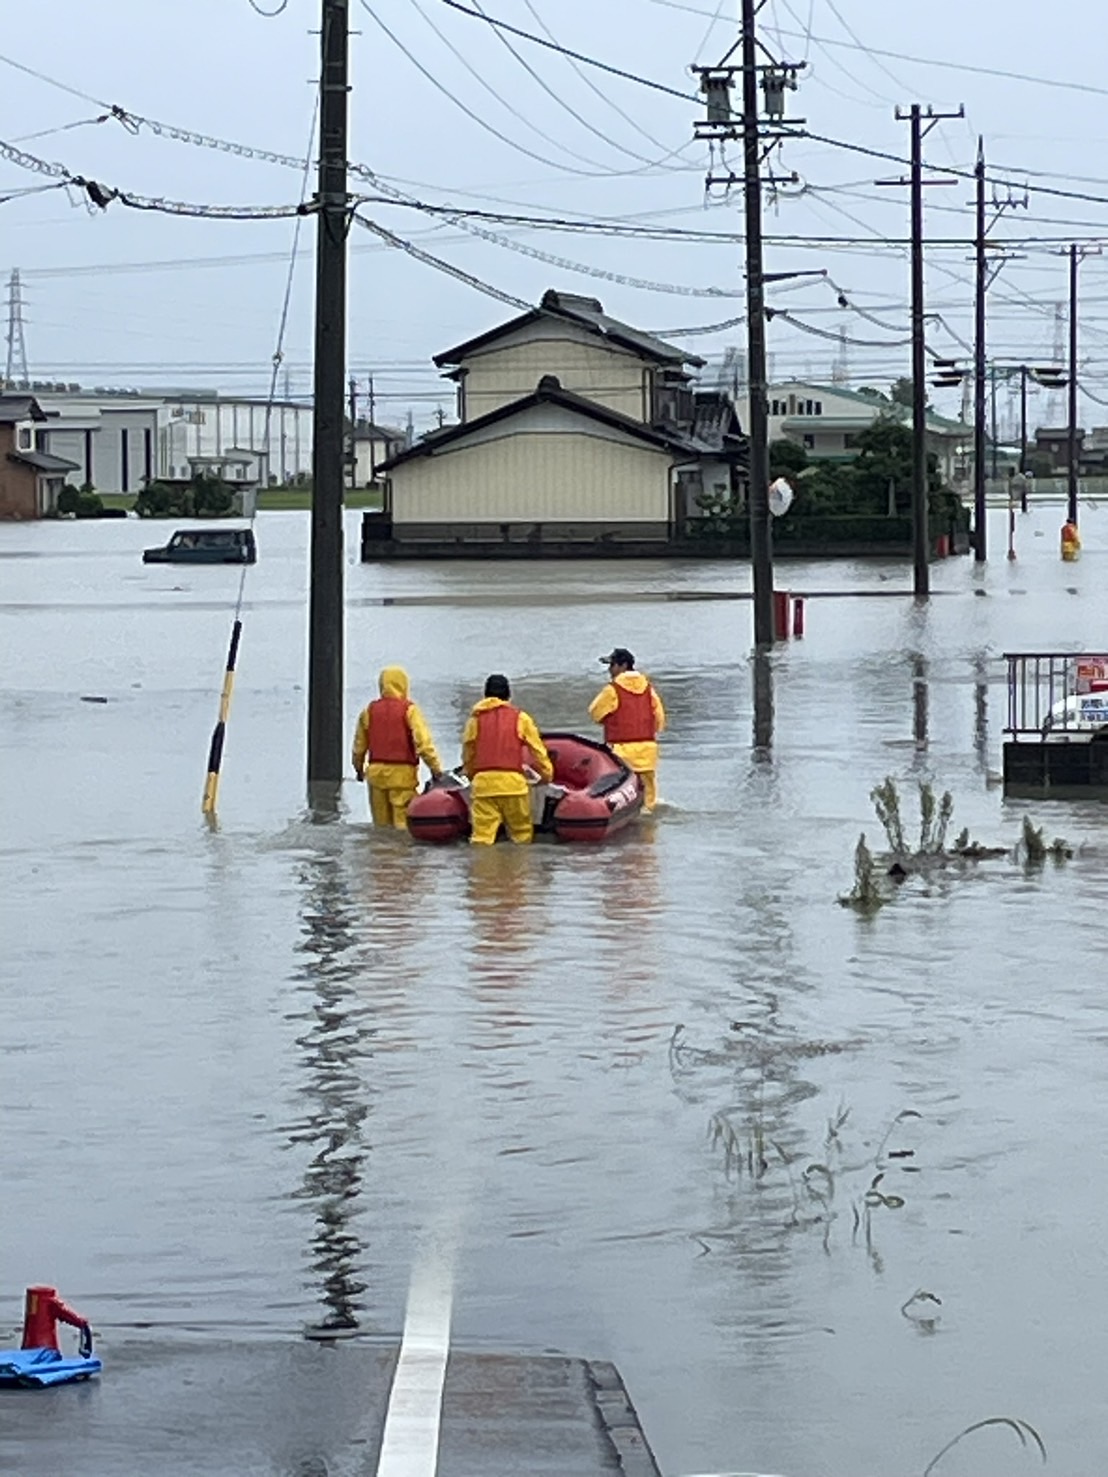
[391, 738]
[499, 744]
[632, 716]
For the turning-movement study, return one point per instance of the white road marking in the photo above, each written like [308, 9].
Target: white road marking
[410, 1441]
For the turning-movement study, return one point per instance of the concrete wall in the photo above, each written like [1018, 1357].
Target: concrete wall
[541, 468]
[512, 367]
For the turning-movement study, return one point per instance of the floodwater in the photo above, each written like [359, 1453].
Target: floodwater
[242, 1071]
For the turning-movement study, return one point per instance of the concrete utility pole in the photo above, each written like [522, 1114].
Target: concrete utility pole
[352, 446]
[921, 552]
[325, 635]
[1071, 399]
[985, 272]
[761, 536]
[921, 541]
[979, 536]
[759, 138]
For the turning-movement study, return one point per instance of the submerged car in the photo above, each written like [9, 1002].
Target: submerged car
[206, 546]
[1079, 715]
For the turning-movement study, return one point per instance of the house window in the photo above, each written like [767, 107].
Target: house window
[819, 407]
[809, 442]
[850, 441]
[24, 438]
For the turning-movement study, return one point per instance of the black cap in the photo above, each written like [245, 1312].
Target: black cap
[496, 685]
[619, 656]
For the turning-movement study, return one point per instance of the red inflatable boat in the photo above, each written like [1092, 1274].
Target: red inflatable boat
[593, 796]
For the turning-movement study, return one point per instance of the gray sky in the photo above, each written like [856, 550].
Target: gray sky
[217, 67]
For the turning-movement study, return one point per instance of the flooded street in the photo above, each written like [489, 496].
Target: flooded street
[242, 1072]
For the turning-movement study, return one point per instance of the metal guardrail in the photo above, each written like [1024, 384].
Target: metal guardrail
[1056, 693]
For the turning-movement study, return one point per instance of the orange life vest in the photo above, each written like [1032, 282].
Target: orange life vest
[498, 744]
[390, 738]
[633, 720]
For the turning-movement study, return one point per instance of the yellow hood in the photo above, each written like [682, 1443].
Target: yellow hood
[487, 704]
[632, 682]
[393, 682]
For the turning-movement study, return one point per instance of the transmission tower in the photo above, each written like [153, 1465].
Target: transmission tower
[15, 371]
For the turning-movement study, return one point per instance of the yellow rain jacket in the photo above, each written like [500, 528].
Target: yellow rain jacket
[504, 781]
[393, 682]
[642, 757]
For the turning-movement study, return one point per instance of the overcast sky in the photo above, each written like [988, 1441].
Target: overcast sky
[128, 298]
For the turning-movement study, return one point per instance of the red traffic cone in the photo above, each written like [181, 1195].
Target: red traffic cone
[43, 1312]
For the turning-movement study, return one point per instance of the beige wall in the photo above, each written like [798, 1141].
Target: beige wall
[507, 371]
[540, 476]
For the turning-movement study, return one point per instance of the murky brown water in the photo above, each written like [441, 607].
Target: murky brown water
[240, 1071]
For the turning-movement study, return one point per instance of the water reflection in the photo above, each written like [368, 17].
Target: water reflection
[763, 703]
[919, 699]
[334, 1046]
[981, 709]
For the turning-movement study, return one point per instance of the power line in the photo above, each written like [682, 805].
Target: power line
[488, 87]
[590, 61]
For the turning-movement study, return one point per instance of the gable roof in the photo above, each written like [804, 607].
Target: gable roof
[548, 392]
[20, 408]
[583, 312]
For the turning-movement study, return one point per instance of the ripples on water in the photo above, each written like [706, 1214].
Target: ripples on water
[243, 1071]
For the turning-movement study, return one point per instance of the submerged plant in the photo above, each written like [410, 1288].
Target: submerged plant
[866, 895]
[1036, 850]
[1022, 1429]
[886, 801]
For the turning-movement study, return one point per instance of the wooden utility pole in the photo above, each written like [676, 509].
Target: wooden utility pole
[326, 604]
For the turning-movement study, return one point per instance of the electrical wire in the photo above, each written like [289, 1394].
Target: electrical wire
[590, 61]
[475, 117]
[600, 93]
[439, 265]
[101, 196]
[561, 102]
[488, 87]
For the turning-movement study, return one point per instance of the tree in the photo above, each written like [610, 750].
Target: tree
[786, 458]
[900, 393]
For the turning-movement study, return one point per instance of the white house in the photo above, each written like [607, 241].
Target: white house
[827, 419]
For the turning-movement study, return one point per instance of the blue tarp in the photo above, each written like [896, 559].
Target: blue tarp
[37, 1368]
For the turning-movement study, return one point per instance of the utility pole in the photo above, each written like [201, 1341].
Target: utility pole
[980, 284]
[992, 404]
[1023, 420]
[761, 536]
[1071, 399]
[352, 450]
[921, 551]
[1077, 255]
[759, 138]
[371, 410]
[326, 604]
[921, 542]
